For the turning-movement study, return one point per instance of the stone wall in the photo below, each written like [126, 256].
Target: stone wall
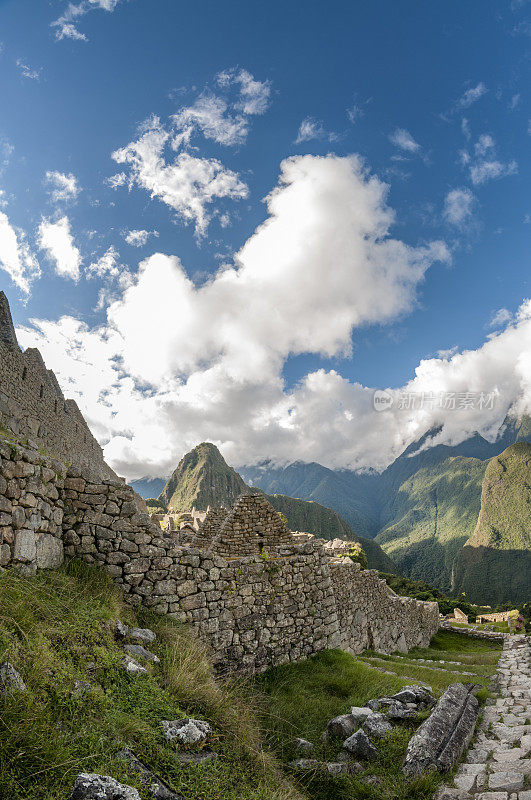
[255, 611]
[371, 617]
[33, 408]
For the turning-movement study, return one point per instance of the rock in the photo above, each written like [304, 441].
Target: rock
[305, 764]
[10, 679]
[342, 726]
[377, 725]
[101, 787]
[440, 740]
[140, 652]
[121, 630]
[415, 694]
[133, 666]
[360, 713]
[191, 759]
[399, 710]
[142, 635]
[49, 552]
[187, 731]
[155, 786]
[506, 781]
[359, 745]
[303, 745]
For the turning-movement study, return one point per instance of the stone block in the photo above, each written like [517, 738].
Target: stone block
[49, 552]
[25, 546]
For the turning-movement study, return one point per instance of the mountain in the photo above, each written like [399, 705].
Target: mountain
[495, 562]
[148, 487]
[422, 509]
[203, 478]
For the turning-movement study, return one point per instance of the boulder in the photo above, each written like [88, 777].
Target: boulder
[342, 726]
[137, 651]
[440, 740]
[360, 746]
[49, 552]
[397, 710]
[377, 725]
[89, 786]
[133, 666]
[415, 694]
[187, 731]
[10, 679]
[142, 635]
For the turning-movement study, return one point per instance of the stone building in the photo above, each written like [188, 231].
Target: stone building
[256, 592]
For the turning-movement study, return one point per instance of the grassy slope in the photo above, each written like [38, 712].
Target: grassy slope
[301, 698]
[496, 560]
[57, 628]
[433, 513]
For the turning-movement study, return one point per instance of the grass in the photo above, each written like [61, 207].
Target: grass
[301, 698]
[57, 628]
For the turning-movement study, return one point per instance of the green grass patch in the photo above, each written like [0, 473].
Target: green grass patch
[56, 629]
[300, 699]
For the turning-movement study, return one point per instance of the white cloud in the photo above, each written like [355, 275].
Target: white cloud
[311, 128]
[138, 238]
[489, 170]
[65, 25]
[458, 206]
[186, 183]
[56, 239]
[354, 113]
[484, 166]
[106, 266]
[114, 276]
[28, 72]
[321, 265]
[500, 318]
[465, 128]
[209, 114]
[254, 95]
[63, 187]
[16, 257]
[404, 140]
[472, 95]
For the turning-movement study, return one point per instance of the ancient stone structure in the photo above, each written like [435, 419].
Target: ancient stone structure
[500, 616]
[33, 408]
[258, 594]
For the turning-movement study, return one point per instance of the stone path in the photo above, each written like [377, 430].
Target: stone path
[498, 767]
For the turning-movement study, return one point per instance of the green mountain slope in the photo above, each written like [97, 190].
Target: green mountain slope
[203, 478]
[432, 515]
[495, 563]
[305, 515]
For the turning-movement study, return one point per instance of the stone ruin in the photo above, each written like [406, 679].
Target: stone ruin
[257, 593]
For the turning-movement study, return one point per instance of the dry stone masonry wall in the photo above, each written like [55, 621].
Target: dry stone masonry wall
[33, 408]
[258, 594]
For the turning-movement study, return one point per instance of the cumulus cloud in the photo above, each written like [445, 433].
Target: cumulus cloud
[66, 25]
[323, 263]
[311, 128]
[458, 206]
[16, 257]
[56, 239]
[186, 183]
[114, 276]
[63, 187]
[138, 238]
[472, 95]
[404, 140]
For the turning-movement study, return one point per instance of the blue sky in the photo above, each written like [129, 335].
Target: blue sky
[432, 99]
